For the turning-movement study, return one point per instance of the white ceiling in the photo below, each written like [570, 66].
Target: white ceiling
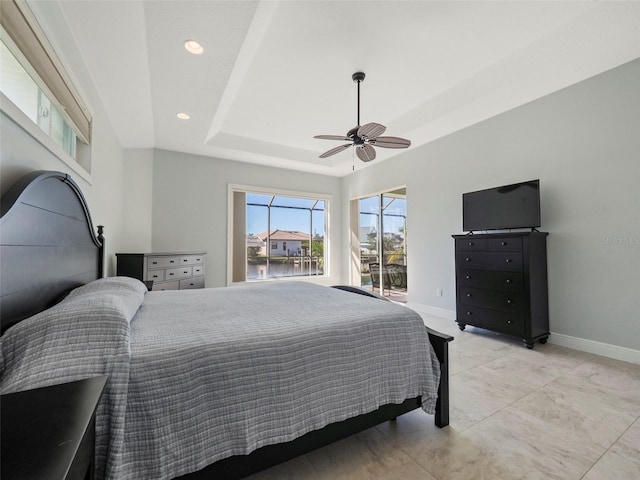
[276, 73]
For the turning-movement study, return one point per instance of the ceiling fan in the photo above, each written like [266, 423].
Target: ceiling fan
[364, 137]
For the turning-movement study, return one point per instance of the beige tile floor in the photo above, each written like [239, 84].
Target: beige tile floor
[516, 414]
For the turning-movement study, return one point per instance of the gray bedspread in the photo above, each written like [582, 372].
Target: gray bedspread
[219, 372]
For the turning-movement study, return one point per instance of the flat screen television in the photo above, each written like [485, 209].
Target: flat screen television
[509, 206]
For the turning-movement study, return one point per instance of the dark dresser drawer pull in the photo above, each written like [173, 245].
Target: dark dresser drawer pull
[469, 295]
[509, 302]
[467, 277]
[171, 274]
[509, 322]
[467, 259]
[471, 244]
[508, 280]
[185, 260]
[503, 244]
[154, 262]
[508, 260]
[172, 261]
[469, 313]
[185, 272]
[155, 276]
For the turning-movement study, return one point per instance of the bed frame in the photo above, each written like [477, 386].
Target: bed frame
[48, 246]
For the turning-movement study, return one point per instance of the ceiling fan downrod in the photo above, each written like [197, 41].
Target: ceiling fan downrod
[358, 77]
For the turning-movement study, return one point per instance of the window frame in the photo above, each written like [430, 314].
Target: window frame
[22, 23]
[236, 188]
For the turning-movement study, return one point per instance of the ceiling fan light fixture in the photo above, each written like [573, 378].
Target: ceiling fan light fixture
[193, 47]
[183, 116]
[364, 137]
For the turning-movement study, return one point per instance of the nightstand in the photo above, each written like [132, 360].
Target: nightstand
[49, 433]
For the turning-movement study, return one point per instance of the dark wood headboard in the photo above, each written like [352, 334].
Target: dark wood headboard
[48, 245]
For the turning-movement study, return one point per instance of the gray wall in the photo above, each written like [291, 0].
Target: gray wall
[190, 205]
[583, 143]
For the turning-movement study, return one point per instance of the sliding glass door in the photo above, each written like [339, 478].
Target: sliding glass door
[383, 248]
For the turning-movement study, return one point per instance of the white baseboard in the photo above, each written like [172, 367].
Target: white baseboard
[435, 311]
[590, 346]
[597, 348]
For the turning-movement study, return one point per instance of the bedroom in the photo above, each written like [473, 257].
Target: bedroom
[580, 140]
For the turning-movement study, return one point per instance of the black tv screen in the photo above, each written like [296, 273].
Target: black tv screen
[509, 206]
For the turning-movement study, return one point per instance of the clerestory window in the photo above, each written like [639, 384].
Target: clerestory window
[37, 94]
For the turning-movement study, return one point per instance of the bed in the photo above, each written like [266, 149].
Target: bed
[205, 383]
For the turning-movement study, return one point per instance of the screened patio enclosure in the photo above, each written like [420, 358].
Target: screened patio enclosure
[383, 247]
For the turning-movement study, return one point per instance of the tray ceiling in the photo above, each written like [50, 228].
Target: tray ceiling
[275, 73]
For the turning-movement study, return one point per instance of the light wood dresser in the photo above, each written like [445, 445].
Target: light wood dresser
[167, 271]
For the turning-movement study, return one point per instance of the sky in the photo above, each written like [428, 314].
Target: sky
[298, 219]
[283, 218]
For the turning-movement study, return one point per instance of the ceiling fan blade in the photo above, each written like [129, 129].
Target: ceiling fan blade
[371, 130]
[333, 137]
[391, 142]
[366, 153]
[335, 150]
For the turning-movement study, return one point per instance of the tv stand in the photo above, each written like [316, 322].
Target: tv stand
[501, 284]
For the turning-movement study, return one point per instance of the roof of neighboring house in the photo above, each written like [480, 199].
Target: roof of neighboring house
[286, 235]
[254, 241]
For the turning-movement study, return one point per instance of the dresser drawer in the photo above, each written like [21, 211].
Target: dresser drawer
[162, 262]
[506, 281]
[198, 270]
[166, 286]
[510, 261]
[188, 283]
[178, 272]
[191, 260]
[505, 301]
[155, 275]
[498, 244]
[471, 244]
[503, 322]
[504, 244]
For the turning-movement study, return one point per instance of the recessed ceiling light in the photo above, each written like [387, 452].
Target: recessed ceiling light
[183, 116]
[193, 47]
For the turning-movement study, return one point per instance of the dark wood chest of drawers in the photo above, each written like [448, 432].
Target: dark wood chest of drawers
[501, 284]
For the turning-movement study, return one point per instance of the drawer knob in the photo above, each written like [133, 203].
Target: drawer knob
[509, 322]
[467, 259]
[171, 274]
[185, 272]
[155, 263]
[469, 313]
[467, 277]
[469, 295]
[172, 261]
[509, 302]
[508, 280]
[185, 260]
[503, 244]
[508, 260]
[471, 244]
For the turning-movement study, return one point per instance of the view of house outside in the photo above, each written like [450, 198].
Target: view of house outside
[285, 236]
